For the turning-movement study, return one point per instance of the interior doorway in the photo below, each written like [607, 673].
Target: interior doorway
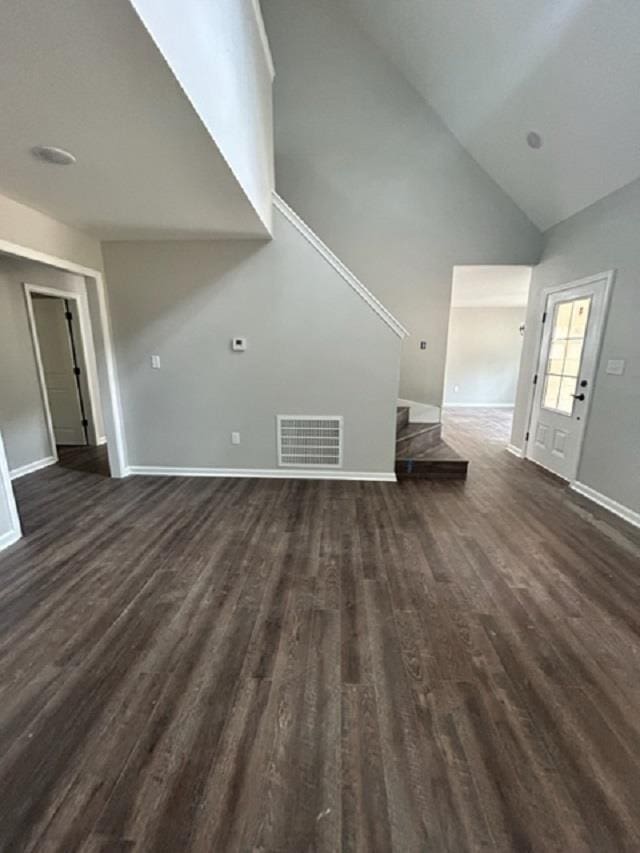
[486, 330]
[574, 319]
[66, 367]
[27, 443]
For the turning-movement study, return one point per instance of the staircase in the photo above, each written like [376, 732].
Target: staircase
[422, 454]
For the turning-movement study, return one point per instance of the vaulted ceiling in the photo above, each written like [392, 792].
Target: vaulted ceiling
[497, 69]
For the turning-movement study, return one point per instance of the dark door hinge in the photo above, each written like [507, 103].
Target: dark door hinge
[68, 315]
[535, 379]
[85, 422]
[526, 438]
[544, 317]
[76, 370]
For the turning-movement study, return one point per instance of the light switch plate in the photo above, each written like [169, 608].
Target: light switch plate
[238, 344]
[155, 362]
[235, 438]
[615, 366]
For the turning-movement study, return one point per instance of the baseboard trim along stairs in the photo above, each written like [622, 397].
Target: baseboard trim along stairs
[422, 454]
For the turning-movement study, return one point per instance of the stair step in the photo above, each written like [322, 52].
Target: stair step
[414, 437]
[435, 463]
[402, 416]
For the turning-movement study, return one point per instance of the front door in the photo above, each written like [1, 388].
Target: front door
[573, 327]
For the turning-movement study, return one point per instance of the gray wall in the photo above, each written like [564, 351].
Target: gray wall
[314, 347]
[22, 419]
[604, 236]
[373, 170]
[483, 356]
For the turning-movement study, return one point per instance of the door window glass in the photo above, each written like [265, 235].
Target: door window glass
[565, 354]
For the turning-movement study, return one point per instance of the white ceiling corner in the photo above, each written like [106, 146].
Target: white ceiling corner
[568, 69]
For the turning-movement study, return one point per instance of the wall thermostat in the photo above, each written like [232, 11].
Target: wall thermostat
[238, 344]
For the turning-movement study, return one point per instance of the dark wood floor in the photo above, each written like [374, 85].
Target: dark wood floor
[94, 460]
[222, 665]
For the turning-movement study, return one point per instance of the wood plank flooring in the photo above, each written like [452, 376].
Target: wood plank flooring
[254, 665]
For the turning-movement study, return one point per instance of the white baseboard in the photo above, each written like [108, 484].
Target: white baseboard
[608, 503]
[9, 538]
[517, 451]
[478, 405]
[102, 440]
[32, 466]
[263, 473]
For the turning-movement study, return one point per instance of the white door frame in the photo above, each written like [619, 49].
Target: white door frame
[608, 278]
[107, 377]
[88, 354]
[6, 493]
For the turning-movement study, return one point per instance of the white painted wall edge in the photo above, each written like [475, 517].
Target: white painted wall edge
[478, 405]
[263, 473]
[608, 503]
[264, 39]
[422, 413]
[30, 467]
[15, 532]
[517, 451]
[345, 273]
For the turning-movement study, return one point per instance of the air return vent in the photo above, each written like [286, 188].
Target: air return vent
[310, 441]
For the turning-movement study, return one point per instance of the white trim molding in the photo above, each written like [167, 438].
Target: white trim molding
[353, 282]
[30, 467]
[619, 509]
[263, 473]
[264, 39]
[6, 493]
[516, 451]
[9, 538]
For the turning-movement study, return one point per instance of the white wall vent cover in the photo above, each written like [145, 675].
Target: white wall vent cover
[310, 441]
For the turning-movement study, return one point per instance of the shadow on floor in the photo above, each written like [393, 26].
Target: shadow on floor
[91, 460]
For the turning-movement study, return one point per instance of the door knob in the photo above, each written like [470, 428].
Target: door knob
[578, 396]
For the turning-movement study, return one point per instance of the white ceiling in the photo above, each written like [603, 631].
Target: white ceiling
[496, 69]
[84, 75]
[490, 286]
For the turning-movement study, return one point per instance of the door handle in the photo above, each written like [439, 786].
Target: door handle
[578, 396]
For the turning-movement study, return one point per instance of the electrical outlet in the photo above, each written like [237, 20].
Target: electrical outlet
[235, 438]
[155, 362]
